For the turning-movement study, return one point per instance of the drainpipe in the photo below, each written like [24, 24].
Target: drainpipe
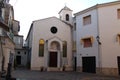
[99, 44]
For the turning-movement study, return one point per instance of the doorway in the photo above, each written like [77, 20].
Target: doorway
[118, 61]
[89, 64]
[75, 64]
[53, 59]
[18, 60]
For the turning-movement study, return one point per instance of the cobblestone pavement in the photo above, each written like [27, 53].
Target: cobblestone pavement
[37, 75]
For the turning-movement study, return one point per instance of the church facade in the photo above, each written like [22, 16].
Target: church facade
[87, 42]
[51, 43]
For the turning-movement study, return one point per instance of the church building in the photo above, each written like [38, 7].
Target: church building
[50, 42]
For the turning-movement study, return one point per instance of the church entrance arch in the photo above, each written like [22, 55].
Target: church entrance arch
[53, 54]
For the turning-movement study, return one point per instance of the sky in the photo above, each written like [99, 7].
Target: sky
[27, 11]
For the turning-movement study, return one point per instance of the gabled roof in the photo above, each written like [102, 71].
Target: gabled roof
[65, 8]
[55, 18]
[97, 6]
[46, 19]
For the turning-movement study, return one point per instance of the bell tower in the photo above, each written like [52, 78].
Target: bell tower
[65, 14]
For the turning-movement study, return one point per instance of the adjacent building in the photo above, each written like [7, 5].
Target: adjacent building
[98, 38]
[21, 52]
[7, 44]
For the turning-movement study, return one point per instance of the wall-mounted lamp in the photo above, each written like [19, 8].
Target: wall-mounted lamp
[98, 40]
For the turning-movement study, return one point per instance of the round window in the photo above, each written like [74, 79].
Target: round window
[53, 30]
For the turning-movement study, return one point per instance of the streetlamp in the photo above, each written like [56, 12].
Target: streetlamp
[98, 40]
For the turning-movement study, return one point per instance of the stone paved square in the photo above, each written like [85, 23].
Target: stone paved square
[37, 75]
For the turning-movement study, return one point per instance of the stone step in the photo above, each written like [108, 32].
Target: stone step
[53, 69]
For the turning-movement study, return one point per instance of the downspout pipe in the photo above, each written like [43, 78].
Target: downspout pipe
[99, 44]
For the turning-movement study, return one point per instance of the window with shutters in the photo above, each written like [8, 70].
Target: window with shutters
[87, 42]
[87, 20]
[118, 13]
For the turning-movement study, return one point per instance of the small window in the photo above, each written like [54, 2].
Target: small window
[18, 52]
[118, 13]
[74, 26]
[118, 38]
[87, 20]
[64, 49]
[67, 17]
[25, 53]
[87, 42]
[41, 48]
[53, 30]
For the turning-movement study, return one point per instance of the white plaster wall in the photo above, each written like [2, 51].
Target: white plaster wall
[29, 38]
[83, 31]
[41, 30]
[109, 27]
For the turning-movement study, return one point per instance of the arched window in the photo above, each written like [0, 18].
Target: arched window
[67, 17]
[41, 47]
[64, 49]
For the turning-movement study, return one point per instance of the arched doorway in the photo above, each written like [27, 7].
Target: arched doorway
[53, 54]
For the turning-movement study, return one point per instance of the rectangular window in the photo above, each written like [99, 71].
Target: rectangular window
[118, 13]
[87, 42]
[118, 38]
[64, 49]
[87, 20]
[19, 40]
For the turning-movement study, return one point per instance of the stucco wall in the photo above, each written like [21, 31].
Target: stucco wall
[84, 31]
[41, 30]
[109, 27]
[8, 48]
